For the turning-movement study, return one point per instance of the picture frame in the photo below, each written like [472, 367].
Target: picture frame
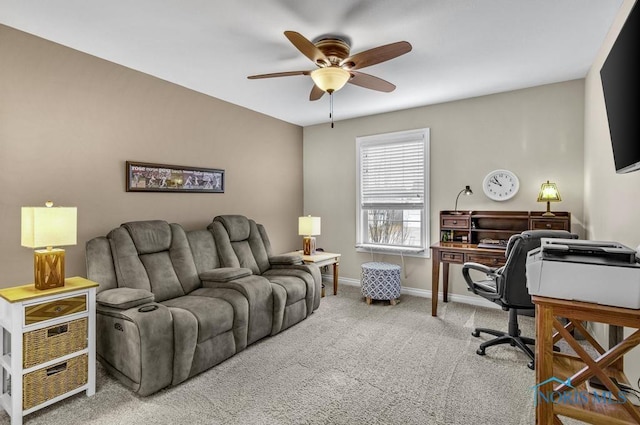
[149, 177]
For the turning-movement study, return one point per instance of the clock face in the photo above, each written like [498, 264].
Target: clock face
[500, 185]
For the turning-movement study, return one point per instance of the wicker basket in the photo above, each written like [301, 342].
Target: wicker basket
[47, 383]
[46, 344]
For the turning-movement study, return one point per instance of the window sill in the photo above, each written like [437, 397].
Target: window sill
[404, 252]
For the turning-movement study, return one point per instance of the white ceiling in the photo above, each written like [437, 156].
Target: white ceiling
[461, 48]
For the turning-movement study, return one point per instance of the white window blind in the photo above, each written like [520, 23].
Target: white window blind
[393, 174]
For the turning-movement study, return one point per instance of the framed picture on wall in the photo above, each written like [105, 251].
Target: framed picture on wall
[147, 177]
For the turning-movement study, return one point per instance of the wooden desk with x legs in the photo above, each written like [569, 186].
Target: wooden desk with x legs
[553, 367]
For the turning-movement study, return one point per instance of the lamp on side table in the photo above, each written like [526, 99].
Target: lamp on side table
[309, 227]
[48, 226]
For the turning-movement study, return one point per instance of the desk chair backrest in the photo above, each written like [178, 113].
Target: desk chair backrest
[512, 281]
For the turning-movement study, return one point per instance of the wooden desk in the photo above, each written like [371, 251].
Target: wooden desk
[460, 232]
[322, 259]
[553, 368]
[457, 253]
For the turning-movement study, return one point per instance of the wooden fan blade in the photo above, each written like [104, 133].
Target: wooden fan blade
[307, 48]
[316, 93]
[376, 55]
[370, 82]
[278, 74]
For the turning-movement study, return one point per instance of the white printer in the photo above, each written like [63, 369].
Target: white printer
[599, 272]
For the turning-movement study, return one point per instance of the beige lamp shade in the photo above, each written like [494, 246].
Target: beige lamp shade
[330, 79]
[48, 227]
[308, 226]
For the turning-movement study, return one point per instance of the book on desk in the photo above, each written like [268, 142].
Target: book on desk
[493, 244]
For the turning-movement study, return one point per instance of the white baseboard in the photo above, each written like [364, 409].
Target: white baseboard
[423, 293]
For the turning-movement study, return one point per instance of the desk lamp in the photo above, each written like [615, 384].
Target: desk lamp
[48, 227]
[308, 227]
[467, 191]
[549, 193]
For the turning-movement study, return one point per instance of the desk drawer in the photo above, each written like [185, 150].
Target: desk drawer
[53, 309]
[549, 224]
[458, 222]
[487, 260]
[452, 257]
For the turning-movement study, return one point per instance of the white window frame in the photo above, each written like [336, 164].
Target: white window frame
[362, 231]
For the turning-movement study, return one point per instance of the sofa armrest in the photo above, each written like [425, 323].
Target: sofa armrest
[137, 345]
[285, 259]
[124, 298]
[224, 274]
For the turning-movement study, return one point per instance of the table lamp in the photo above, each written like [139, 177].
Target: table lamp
[549, 193]
[308, 227]
[48, 227]
[467, 191]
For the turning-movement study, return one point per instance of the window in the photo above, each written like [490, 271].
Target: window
[392, 190]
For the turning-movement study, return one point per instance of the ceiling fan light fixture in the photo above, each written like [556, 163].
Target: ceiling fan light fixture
[331, 78]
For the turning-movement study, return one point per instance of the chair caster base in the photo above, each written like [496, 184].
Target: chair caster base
[480, 352]
[475, 333]
[531, 365]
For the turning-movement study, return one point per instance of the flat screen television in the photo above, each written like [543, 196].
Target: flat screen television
[620, 74]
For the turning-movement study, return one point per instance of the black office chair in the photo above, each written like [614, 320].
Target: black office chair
[507, 287]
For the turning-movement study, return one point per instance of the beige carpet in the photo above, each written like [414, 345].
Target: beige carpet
[349, 363]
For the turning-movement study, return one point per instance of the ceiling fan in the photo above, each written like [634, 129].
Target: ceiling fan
[335, 65]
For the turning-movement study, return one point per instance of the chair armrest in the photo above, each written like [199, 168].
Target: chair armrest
[285, 259]
[224, 274]
[124, 298]
[480, 267]
[492, 273]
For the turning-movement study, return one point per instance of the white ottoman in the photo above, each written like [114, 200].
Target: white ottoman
[381, 281]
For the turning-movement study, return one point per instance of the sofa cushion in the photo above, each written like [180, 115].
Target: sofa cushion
[168, 273]
[245, 256]
[149, 236]
[240, 243]
[214, 315]
[237, 226]
[203, 249]
[295, 287]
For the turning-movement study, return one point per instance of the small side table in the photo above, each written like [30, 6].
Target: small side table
[49, 344]
[381, 281]
[322, 259]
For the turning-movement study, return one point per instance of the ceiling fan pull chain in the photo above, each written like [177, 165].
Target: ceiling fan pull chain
[331, 108]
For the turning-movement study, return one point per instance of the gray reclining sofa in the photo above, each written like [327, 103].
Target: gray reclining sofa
[172, 303]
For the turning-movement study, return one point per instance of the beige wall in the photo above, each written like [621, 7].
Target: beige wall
[611, 201]
[536, 133]
[69, 121]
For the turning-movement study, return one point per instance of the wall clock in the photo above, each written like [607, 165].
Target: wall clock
[500, 185]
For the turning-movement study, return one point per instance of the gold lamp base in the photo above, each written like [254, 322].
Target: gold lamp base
[48, 266]
[548, 213]
[309, 245]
